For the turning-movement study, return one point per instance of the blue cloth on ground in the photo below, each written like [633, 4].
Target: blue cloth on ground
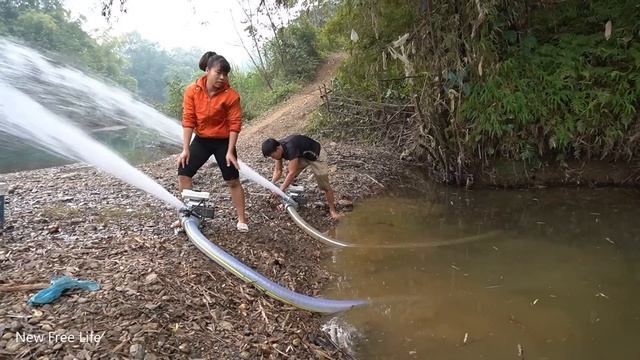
[58, 286]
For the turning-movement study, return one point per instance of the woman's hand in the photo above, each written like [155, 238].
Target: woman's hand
[183, 158]
[231, 159]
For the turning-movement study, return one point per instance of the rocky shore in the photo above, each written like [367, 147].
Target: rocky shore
[160, 297]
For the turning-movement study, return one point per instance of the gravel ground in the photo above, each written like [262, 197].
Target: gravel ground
[160, 297]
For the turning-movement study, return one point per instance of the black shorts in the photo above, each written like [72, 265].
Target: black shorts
[201, 150]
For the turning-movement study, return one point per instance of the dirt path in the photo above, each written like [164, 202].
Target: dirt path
[290, 117]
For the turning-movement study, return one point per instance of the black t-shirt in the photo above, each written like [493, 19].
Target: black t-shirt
[300, 146]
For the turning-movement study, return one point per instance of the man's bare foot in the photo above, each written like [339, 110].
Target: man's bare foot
[336, 215]
[177, 227]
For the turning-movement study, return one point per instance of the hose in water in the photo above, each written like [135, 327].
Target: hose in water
[311, 231]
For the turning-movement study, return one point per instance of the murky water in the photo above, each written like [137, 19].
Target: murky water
[560, 280]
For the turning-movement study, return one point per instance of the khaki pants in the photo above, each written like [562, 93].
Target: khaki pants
[320, 169]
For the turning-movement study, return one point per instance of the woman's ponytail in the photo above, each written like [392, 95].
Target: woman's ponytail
[204, 60]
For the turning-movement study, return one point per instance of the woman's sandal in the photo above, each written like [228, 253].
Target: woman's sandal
[242, 227]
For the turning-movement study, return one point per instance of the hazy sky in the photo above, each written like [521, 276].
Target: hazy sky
[204, 24]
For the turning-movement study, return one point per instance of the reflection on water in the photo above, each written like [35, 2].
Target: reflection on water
[559, 281]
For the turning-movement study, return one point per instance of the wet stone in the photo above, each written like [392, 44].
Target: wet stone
[136, 351]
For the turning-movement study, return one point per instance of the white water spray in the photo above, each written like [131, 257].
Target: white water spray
[65, 90]
[250, 174]
[22, 117]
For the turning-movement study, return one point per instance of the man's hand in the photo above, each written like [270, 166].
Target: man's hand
[183, 158]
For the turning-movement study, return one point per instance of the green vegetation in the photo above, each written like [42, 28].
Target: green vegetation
[45, 24]
[155, 68]
[573, 94]
[494, 80]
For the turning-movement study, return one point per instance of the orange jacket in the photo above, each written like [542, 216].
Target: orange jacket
[211, 117]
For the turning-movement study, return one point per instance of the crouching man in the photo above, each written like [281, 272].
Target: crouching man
[301, 152]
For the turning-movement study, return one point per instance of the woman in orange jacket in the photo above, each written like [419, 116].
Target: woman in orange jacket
[212, 110]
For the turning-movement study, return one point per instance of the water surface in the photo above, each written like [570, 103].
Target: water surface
[558, 280]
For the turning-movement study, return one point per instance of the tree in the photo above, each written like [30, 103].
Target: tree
[45, 24]
[147, 63]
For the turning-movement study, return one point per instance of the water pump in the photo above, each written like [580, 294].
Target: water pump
[296, 193]
[195, 203]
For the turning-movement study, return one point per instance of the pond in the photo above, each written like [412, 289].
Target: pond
[551, 274]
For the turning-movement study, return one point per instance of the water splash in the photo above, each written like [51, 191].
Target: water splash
[342, 334]
[87, 101]
[23, 117]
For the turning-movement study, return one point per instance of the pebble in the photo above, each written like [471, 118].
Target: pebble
[137, 351]
[345, 203]
[134, 329]
[15, 326]
[13, 345]
[151, 279]
[226, 325]
[185, 348]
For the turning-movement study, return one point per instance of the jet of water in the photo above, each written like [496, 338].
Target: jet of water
[251, 174]
[75, 95]
[23, 117]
